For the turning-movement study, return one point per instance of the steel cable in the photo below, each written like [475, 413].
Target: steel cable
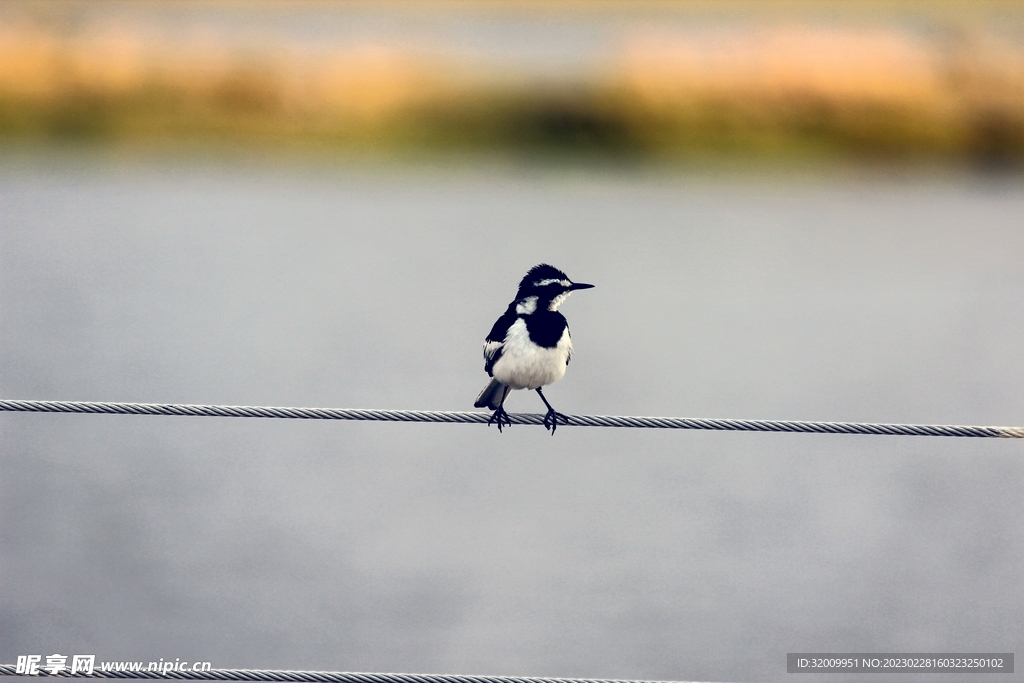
[304, 676]
[465, 417]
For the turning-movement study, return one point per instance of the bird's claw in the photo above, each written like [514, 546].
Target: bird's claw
[551, 420]
[500, 417]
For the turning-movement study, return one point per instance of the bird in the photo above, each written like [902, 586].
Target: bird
[529, 346]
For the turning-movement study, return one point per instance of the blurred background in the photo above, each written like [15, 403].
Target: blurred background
[790, 210]
[617, 79]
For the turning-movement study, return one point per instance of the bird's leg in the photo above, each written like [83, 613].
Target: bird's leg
[499, 417]
[553, 416]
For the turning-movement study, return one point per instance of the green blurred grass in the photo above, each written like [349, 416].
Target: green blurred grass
[782, 90]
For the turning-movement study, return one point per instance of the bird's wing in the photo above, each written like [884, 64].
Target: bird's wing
[492, 352]
[496, 339]
[568, 356]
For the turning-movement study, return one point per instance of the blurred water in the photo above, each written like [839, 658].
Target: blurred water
[455, 549]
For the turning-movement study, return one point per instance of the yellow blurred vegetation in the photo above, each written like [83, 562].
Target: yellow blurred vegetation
[782, 89]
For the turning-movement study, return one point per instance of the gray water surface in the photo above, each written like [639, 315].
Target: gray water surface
[455, 549]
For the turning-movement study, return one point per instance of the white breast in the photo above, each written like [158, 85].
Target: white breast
[524, 365]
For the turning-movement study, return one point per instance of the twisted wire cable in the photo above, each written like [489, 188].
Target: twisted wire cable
[305, 676]
[463, 417]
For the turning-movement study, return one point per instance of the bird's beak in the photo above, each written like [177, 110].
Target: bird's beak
[579, 285]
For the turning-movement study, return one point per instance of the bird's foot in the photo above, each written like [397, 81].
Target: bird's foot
[500, 417]
[552, 420]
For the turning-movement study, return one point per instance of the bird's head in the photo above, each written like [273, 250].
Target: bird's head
[549, 285]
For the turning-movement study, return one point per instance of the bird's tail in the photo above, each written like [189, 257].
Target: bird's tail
[493, 395]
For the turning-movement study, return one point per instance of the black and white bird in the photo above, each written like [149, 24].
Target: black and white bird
[529, 346]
